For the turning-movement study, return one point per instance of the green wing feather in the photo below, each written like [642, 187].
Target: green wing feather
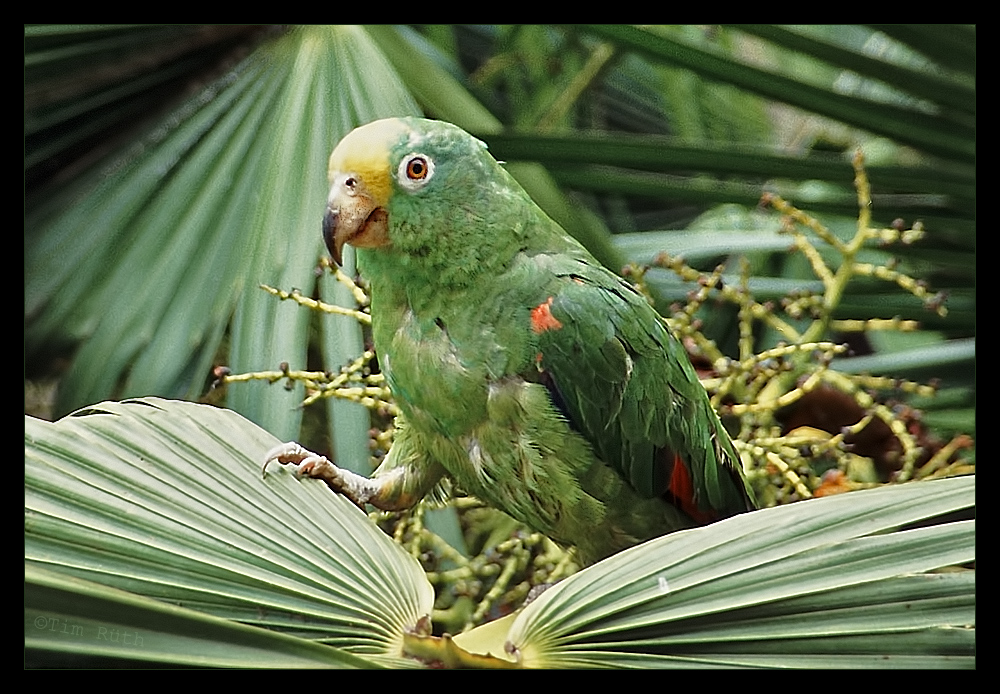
[627, 385]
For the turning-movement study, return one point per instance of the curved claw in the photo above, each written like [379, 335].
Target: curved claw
[355, 487]
[292, 453]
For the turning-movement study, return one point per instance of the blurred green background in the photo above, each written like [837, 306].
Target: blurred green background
[171, 169]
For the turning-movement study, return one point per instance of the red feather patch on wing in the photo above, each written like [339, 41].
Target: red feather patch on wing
[542, 318]
[682, 489]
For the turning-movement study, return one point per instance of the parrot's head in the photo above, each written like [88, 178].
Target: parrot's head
[403, 182]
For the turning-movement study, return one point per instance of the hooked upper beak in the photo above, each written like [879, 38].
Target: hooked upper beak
[353, 216]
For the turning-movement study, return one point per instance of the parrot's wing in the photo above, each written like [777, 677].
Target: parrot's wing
[626, 384]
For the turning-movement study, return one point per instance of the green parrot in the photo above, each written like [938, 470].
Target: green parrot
[527, 373]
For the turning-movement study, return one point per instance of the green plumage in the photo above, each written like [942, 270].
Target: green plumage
[535, 378]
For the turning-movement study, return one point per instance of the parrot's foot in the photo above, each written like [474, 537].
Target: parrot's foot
[358, 489]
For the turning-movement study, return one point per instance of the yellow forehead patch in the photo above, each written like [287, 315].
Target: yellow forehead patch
[364, 152]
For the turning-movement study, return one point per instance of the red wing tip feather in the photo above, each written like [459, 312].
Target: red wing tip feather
[681, 488]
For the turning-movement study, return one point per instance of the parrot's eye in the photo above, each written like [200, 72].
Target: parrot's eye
[414, 171]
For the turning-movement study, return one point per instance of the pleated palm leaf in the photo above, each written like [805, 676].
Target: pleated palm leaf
[150, 538]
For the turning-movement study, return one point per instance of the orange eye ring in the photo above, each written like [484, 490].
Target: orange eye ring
[417, 169]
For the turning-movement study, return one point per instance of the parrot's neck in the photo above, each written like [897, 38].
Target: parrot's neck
[462, 266]
[445, 259]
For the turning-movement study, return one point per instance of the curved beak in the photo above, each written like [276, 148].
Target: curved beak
[353, 216]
